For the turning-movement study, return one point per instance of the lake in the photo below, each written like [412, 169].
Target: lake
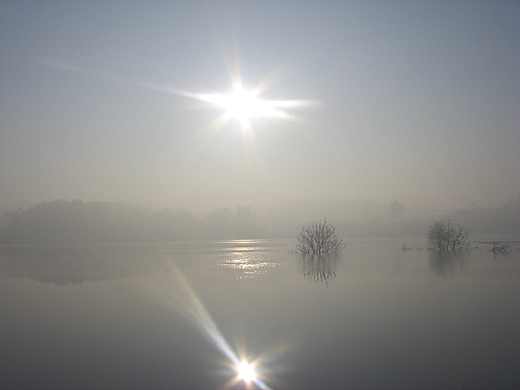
[183, 315]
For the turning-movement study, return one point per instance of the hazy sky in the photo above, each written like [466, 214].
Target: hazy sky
[414, 101]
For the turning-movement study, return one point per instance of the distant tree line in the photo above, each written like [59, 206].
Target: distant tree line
[62, 221]
[502, 219]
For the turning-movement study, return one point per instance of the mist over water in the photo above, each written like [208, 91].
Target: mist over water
[233, 217]
[376, 316]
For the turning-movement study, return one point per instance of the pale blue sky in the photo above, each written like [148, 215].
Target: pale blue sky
[414, 101]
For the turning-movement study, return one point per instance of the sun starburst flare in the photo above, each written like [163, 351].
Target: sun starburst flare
[243, 106]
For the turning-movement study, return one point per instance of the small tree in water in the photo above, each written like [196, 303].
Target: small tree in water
[444, 235]
[318, 238]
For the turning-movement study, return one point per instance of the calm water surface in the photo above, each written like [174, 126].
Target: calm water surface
[176, 316]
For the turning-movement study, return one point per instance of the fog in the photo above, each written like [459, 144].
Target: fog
[226, 217]
[353, 103]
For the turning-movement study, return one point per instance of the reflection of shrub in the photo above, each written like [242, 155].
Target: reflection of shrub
[444, 235]
[447, 263]
[319, 268]
[319, 237]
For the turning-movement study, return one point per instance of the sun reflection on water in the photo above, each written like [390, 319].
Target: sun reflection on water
[247, 264]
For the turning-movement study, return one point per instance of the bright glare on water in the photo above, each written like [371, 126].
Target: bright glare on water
[246, 371]
[191, 316]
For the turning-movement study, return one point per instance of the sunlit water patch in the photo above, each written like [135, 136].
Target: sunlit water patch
[248, 264]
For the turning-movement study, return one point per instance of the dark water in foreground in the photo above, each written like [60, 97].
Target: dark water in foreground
[162, 317]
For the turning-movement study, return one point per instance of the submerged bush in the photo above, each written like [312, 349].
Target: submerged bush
[444, 235]
[319, 237]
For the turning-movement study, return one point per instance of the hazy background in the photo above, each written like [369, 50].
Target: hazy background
[417, 102]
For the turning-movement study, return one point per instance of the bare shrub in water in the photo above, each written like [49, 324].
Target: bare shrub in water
[318, 238]
[444, 235]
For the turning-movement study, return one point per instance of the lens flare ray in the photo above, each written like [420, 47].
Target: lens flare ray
[179, 295]
[184, 300]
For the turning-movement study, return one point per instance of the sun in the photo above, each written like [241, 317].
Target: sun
[246, 371]
[242, 105]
